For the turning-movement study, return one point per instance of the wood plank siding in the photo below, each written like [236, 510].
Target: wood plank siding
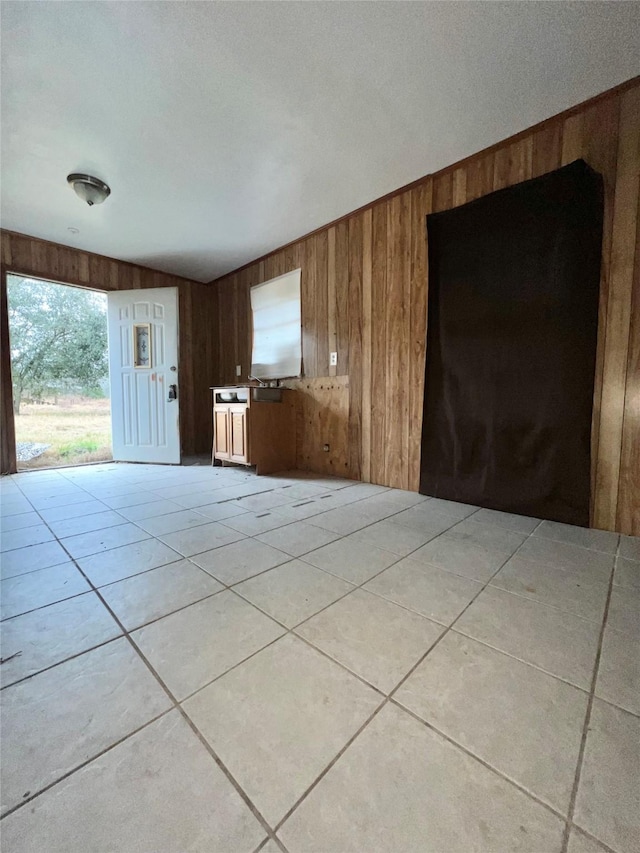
[364, 295]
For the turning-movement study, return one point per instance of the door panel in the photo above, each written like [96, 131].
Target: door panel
[143, 363]
[238, 435]
[221, 432]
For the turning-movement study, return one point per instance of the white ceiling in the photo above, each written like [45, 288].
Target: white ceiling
[226, 129]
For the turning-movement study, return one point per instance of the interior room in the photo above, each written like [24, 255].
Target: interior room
[362, 572]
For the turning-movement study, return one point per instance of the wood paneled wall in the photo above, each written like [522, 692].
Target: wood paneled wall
[364, 295]
[198, 326]
[322, 420]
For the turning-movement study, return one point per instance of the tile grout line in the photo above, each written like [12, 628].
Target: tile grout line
[290, 558]
[387, 699]
[292, 630]
[405, 607]
[179, 559]
[605, 847]
[331, 764]
[358, 586]
[59, 663]
[74, 503]
[225, 588]
[73, 561]
[26, 800]
[551, 541]
[555, 606]
[264, 843]
[91, 497]
[182, 557]
[207, 520]
[271, 834]
[553, 809]
[512, 656]
[59, 540]
[6, 619]
[135, 487]
[343, 536]
[287, 629]
[502, 589]
[384, 491]
[175, 706]
[125, 634]
[587, 717]
[136, 522]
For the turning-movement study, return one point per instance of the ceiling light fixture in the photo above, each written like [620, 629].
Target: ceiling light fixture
[89, 189]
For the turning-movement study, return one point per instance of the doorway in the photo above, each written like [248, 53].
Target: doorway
[60, 373]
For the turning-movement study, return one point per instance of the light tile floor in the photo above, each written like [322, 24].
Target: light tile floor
[198, 659]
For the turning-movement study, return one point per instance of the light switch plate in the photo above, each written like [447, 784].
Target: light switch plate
[333, 359]
[238, 370]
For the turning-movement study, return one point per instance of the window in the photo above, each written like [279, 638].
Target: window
[277, 339]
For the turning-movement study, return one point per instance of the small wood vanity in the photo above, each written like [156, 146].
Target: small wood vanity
[254, 426]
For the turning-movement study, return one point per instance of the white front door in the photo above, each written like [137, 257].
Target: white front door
[143, 374]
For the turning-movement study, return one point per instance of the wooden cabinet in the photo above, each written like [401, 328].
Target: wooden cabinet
[230, 433]
[251, 432]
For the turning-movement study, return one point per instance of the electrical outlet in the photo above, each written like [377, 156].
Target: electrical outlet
[333, 359]
[238, 370]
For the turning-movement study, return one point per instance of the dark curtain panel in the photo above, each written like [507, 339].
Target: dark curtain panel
[511, 347]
